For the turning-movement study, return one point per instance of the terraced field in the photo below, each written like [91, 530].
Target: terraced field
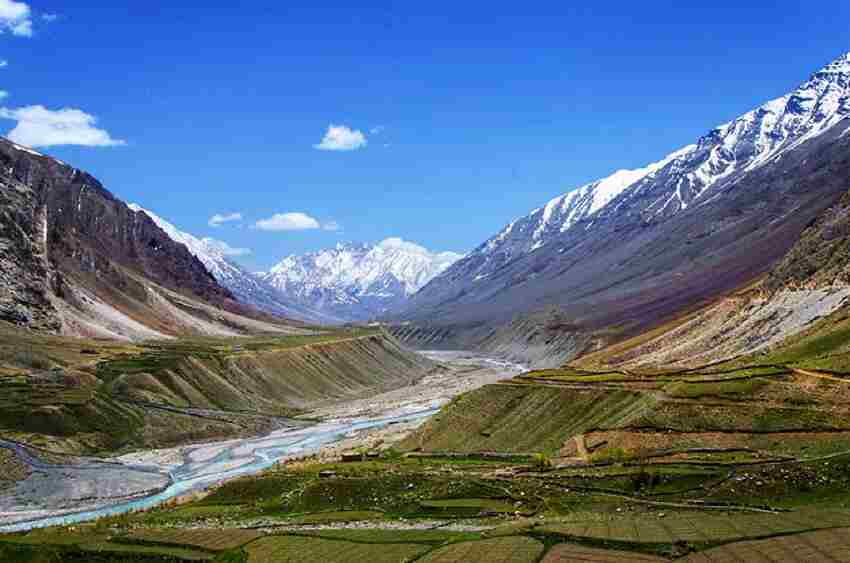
[810, 536]
[206, 539]
[699, 413]
[499, 550]
[826, 545]
[569, 553]
[297, 549]
[695, 527]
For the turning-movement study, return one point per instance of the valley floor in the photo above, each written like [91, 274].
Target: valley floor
[74, 489]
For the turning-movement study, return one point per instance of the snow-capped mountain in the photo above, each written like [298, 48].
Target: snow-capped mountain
[358, 281]
[245, 286]
[607, 239]
[687, 175]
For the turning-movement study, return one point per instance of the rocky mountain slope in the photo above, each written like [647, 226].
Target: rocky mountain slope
[622, 254]
[245, 286]
[77, 260]
[358, 281]
[807, 291]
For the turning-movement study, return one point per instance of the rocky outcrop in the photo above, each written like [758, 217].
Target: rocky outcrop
[810, 283]
[820, 259]
[24, 285]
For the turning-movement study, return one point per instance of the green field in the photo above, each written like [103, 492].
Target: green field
[510, 549]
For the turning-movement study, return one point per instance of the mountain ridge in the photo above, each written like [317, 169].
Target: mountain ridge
[630, 260]
[577, 206]
[358, 281]
[76, 260]
[246, 287]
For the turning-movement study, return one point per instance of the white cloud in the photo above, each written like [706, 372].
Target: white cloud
[4, 63]
[40, 127]
[294, 221]
[224, 248]
[218, 219]
[22, 29]
[50, 18]
[4, 94]
[331, 226]
[342, 138]
[377, 130]
[16, 17]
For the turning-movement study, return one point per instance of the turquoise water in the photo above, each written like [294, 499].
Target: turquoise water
[211, 464]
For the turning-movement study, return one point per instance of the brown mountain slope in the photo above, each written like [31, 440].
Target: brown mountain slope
[808, 290]
[76, 259]
[633, 276]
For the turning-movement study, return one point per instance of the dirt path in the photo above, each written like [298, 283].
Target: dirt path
[819, 375]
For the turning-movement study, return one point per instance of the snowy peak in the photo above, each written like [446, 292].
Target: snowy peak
[214, 254]
[358, 267]
[562, 213]
[359, 280]
[756, 138]
[841, 65]
[203, 251]
[687, 175]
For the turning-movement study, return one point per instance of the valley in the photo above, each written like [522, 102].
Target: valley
[61, 488]
[649, 366]
[748, 457]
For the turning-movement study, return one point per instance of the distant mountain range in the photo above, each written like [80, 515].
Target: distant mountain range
[244, 285]
[627, 251]
[351, 282]
[358, 281]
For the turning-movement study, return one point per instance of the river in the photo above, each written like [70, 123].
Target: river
[88, 488]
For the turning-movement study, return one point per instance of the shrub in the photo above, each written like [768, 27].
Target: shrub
[541, 462]
[25, 358]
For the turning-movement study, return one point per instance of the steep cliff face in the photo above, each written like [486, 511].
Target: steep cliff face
[24, 294]
[77, 259]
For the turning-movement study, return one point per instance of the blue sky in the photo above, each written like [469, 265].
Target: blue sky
[472, 113]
